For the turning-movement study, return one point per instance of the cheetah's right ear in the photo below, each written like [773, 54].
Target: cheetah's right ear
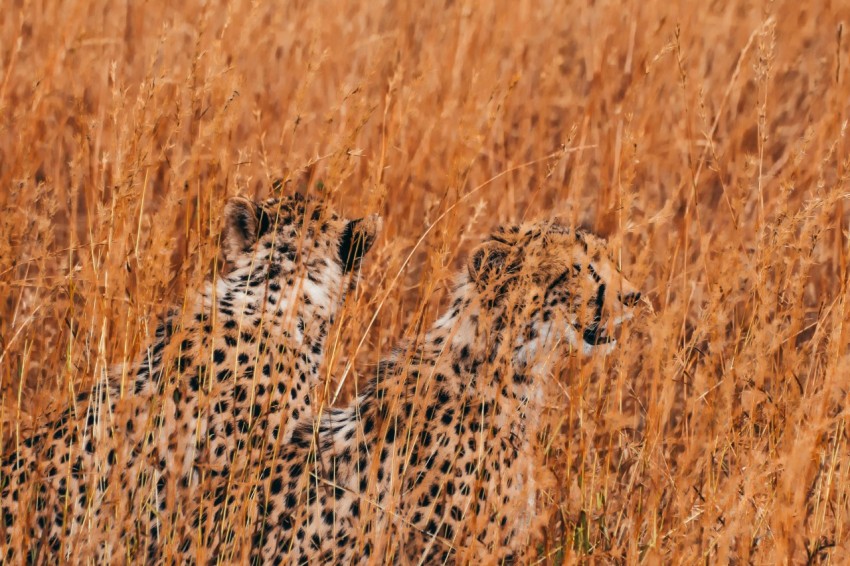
[488, 262]
[356, 239]
[244, 223]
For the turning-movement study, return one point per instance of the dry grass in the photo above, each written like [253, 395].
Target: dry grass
[706, 139]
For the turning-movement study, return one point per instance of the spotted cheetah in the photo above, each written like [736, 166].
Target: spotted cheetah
[439, 460]
[108, 480]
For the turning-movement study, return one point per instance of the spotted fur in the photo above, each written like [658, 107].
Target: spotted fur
[438, 459]
[222, 383]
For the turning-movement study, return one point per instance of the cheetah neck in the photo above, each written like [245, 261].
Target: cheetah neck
[238, 370]
[482, 347]
[469, 357]
[242, 314]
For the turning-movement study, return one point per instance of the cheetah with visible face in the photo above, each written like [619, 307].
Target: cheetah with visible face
[109, 479]
[438, 459]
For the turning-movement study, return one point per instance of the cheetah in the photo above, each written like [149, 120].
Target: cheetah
[438, 460]
[109, 478]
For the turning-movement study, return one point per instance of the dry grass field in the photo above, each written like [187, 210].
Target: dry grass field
[707, 140]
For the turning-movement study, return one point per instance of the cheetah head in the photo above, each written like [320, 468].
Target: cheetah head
[294, 250]
[563, 283]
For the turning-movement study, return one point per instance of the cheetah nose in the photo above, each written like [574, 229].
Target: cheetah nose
[629, 299]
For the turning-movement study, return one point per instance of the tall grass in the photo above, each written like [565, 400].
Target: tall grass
[707, 140]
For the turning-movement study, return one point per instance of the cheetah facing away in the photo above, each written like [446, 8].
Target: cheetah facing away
[224, 380]
[437, 460]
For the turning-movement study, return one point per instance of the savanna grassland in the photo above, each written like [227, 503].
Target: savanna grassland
[707, 140]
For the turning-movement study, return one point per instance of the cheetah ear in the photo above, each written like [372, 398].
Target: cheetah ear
[244, 223]
[356, 239]
[488, 261]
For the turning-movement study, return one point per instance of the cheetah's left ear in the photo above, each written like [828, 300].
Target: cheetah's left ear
[244, 223]
[357, 237]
